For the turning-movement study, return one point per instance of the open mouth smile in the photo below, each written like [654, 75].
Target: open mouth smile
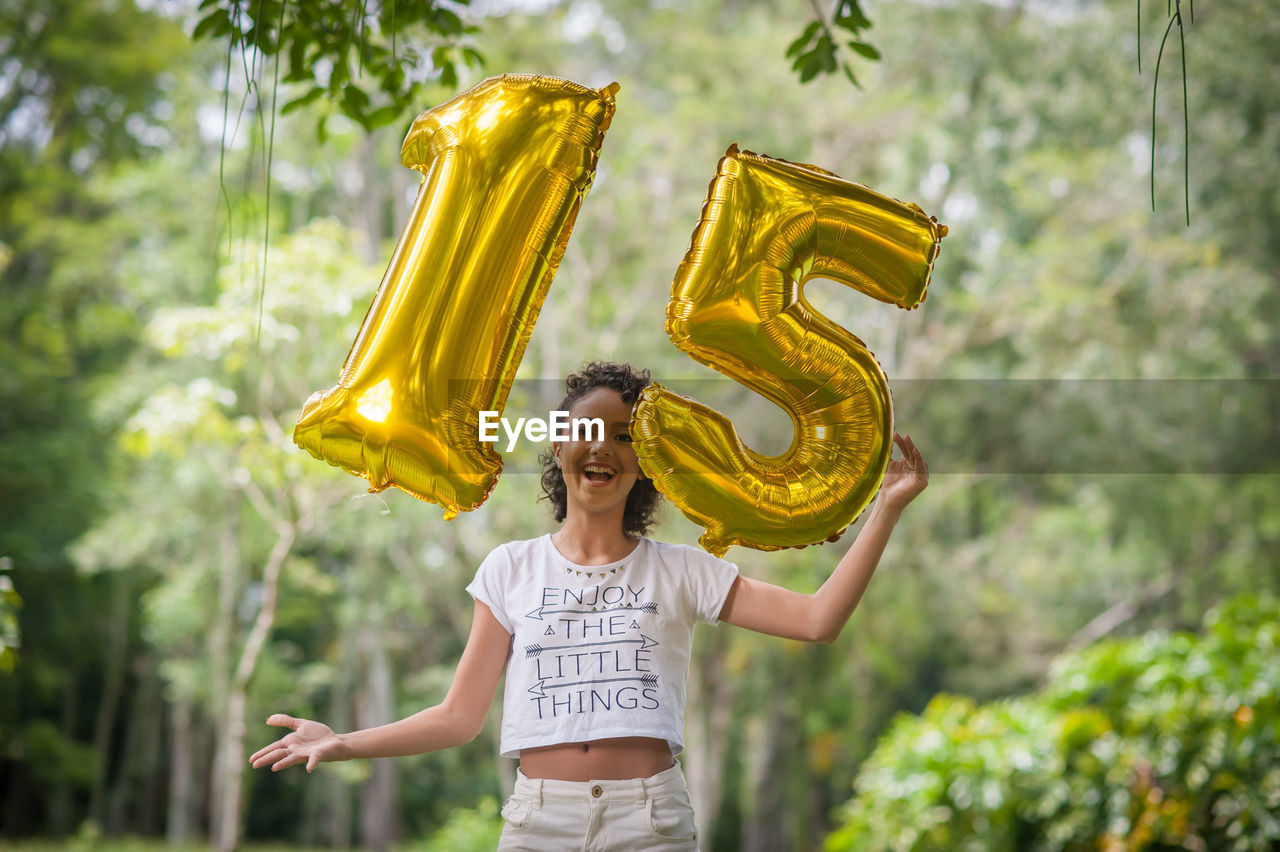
[598, 473]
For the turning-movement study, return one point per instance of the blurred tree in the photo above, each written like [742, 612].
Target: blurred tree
[84, 91]
[217, 439]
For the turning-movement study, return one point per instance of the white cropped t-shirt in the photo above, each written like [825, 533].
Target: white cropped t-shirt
[598, 651]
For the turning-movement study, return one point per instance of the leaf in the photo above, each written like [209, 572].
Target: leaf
[216, 23]
[301, 101]
[298, 69]
[446, 22]
[382, 116]
[807, 36]
[826, 49]
[339, 76]
[848, 72]
[354, 100]
[810, 68]
[392, 80]
[851, 17]
[864, 49]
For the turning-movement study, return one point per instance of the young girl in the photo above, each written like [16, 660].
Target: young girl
[594, 624]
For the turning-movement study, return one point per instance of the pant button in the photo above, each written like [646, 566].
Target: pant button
[597, 791]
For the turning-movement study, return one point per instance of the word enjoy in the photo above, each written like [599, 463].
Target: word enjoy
[559, 427]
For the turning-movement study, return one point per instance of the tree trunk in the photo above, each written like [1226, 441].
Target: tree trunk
[767, 830]
[710, 698]
[149, 820]
[220, 655]
[141, 742]
[60, 807]
[230, 765]
[369, 201]
[109, 705]
[337, 824]
[181, 772]
[376, 706]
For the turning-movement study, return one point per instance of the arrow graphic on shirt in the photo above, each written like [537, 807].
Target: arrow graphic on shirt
[649, 607]
[644, 642]
[539, 688]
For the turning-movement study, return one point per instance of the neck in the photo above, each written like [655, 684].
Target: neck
[593, 541]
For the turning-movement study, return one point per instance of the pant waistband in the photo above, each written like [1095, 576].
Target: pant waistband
[638, 790]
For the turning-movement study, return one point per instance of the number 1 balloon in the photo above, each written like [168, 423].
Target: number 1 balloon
[504, 169]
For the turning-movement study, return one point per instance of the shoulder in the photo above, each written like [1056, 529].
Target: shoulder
[523, 547]
[682, 555]
[505, 556]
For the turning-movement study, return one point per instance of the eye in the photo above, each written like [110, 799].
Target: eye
[624, 437]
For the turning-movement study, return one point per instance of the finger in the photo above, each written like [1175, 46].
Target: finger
[312, 761]
[283, 721]
[278, 744]
[919, 457]
[288, 760]
[910, 451]
[272, 756]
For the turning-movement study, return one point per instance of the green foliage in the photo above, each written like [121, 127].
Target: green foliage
[466, 830]
[372, 59]
[1167, 740]
[90, 839]
[85, 89]
[10, 631]
[817, 50]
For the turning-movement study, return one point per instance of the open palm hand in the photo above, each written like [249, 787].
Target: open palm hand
[309, 742]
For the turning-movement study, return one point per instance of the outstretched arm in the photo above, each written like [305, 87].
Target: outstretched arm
[454, 721]
[821, 616]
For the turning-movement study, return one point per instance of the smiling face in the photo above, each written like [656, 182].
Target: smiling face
[598, 474]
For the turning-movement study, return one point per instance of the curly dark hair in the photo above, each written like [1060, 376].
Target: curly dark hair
[644, 500]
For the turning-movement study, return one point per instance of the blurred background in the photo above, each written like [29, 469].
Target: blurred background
[1074, 638]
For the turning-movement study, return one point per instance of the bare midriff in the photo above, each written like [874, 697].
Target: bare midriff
[598, 760]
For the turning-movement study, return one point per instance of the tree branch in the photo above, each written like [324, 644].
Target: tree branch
[1115, 616]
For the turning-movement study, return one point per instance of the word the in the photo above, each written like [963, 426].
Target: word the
[560, 427]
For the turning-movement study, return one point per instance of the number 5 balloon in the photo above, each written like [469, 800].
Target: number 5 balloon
[737, 305]
[504, 169]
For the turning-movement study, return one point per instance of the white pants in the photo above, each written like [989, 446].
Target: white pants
[635, 815]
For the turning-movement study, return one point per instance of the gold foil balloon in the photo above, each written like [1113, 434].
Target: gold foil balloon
[737, 305]
[504, 169]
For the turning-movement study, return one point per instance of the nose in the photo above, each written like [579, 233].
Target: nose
[599, 444]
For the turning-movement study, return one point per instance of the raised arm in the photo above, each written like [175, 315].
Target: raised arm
[454, 721]
[821, 616]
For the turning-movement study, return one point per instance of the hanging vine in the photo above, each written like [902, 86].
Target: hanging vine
[1174, 12]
